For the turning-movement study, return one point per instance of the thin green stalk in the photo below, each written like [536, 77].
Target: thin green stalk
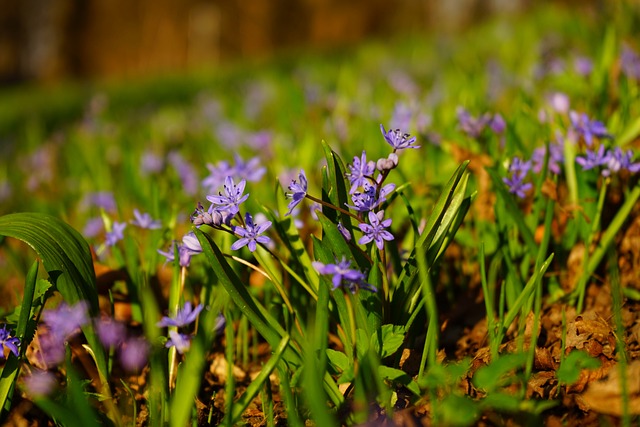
[595, 226]
[488, 304]
[616, 293]
[431, 340]
[229, 387]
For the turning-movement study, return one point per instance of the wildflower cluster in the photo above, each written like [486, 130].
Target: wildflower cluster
[582, 129]
[224, 210]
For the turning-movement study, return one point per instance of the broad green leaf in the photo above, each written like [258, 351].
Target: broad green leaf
[387, 340]
[455, 410]
[569, 371]
[66, 257]
[400, 377]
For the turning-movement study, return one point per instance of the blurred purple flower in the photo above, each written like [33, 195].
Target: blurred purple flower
[185, 171]
[250, 234]
[151, 163]
[497, 124]
[110, 331]
[583, 65]
[185, 316]
[232, 198]
[360, 171]
[145, 221]
[343, 275]
[556, 158]
[519, 170]
[182, 342]
[133, 354]
[401, 116]
[100, 199]
[617, 160]
[65, 320]
[397, 139]
[39, 383]
[630, 62]
[403, 83]
[6, 340]
[116, 234]
[375, 230]
[343, 230]
[252, 171]
[217, 175]
[587, 128]
[593, 159]
[93, 227]
[298, 191]
[189, 247]
[559, 102]
[470, 125]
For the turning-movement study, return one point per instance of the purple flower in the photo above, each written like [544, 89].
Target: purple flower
[497, 124]
[116, 234]
[250, 234]
[100, 199]
[133, 354]
[40, 383]
[593, 159]
[110, 331]
[617, 160]
[376, 231]
[151, 163]
[251, 170]
[367, 200]
[559, 102]
[232, 198]
[360, 171]
[587, 128]
[556, 158]
[145, 221]
[344, 276]
[6, 340]
[470, 125]
[583, 65]
[93, 227]
[397, 139]
[181, 342]
[217, 175]
[65, 320]
[630, 62]
[343, 230]
[516, 184]
[298, 191]
[185, 171]
[189, 247]
[185, 316]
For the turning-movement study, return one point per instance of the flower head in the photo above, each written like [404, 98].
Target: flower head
[617, 160]
[250, 234]
[183, 317]
[367, 200]
[133, 354]
[110, 331]
[360, 171]
[587, 128]
[397, 139]
[6, 340]
[40, 383]
[144, 220]
[232, 198]
[516, 184]
[375, 230]
[65, 320]
[470, 125]
[556, 157]
[210, 216]
[298, 191]
[593, 159]
[344, 276]
[182, 342]
[116, 234]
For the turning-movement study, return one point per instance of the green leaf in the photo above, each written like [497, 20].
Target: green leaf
[66, 257]
[569, 371]
[456, 410]
[400, 377]
[387, 340]
[499, 372]
[338, 360]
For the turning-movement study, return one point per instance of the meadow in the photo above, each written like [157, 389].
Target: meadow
[437, 230]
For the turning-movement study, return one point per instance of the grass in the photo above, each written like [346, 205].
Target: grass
[506, 293]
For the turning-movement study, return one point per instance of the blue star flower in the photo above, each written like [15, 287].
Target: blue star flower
[397, 139]
[231, 199]
[375, 230]
[344, 276]
[185, 316]
[250, 234]
[6, 340]
[298, 191]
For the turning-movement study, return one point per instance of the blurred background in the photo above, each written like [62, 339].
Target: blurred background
[47, 41]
